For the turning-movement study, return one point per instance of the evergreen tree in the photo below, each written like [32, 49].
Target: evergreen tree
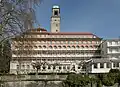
[5, 51]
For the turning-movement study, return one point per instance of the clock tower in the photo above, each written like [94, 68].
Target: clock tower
[55, 19]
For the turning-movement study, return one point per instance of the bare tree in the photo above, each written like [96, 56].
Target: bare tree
[16, 16]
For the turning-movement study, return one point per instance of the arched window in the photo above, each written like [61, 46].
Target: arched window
[77, 46]
[40, 47]
[59, 47]
[73, 46]
[68, 46]
[35, 46]
[86, 46]
[82, 46]
[64, 46]
[26, 46]
[91, 46]
[50, 47]
[55, 47]
[44, 46]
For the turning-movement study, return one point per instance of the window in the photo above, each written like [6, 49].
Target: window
[53, 42]
[68, 67]
[64, 46]
[17, 66]
[68, 42]
[77, 42]
[72, 42]
[82, 46]
[78, 67]
[64, 42]
[68, 46]
[110, 43]
[40, 47]
[23, 66]
[28, 66]
[16, 47]
[53, 67]
[86, 46]
[116, 50]
[107, 65]
[56, 13]
[55, 47]
[110, 50]
[116, 43]
[73, 46]
[50, 47]
[88, 42]
[101, 65]
[77, 46]
[44, 46]
[59, 47]
[35, 46]
[44, 67]
[116, 64]
[64, 67]
[84, 42]
[50, 42]
[48, 67]
[56, 25]
[95, 65]
[60, 67]
[61, 42]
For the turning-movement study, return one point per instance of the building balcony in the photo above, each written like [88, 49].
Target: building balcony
[113, 46]
[90, 55]
[45, 49]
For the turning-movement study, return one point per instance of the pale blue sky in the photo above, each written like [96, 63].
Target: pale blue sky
[101, 17]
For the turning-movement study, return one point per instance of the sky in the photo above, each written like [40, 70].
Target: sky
[100, 17]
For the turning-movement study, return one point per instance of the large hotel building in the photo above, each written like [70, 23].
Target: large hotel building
[53, 51]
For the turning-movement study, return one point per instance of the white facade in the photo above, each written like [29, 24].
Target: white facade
[104, 65]
[42, 46]
[111, 48]
[52, 50]
[50, 67]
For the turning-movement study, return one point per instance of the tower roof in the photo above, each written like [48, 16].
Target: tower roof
[55, 6]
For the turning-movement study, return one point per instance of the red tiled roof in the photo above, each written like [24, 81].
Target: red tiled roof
[62, 33]
[38, 29]
[70, 33]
